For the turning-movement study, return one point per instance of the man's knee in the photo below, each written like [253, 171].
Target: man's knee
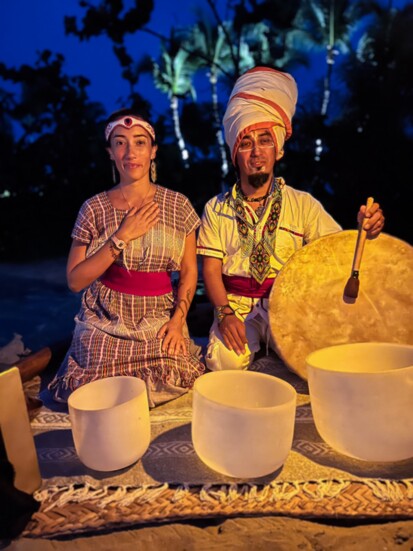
[219, 357]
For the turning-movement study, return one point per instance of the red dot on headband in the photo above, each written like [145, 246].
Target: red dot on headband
[128, 122]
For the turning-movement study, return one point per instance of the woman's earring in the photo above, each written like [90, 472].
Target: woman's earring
[153, 171]
[114, 175]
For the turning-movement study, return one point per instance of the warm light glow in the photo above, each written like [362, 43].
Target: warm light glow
[243, 422]
[110, 422]
[362, 397]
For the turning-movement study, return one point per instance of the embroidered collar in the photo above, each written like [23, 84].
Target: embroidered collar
[259, 245]
[254, 199]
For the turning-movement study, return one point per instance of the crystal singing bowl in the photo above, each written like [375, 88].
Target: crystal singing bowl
[242, 422]
[110, 422]
[362, 399]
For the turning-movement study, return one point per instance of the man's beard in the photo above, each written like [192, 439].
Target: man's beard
[258, 179]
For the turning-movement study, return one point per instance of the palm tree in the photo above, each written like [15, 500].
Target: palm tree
[173, 76]
[226, 55]
[370, 141]
[210, 48]
[326, 24]
[229, 48]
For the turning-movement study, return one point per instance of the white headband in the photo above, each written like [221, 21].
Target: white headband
[128, 122]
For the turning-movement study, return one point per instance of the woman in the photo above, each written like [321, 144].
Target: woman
[126, 242]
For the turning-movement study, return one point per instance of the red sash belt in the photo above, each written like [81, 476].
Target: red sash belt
[247, 286]
[132, 282]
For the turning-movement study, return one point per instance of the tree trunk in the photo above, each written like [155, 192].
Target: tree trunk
[178, 133]
[217, 126]
[329, 59]
[327, 80]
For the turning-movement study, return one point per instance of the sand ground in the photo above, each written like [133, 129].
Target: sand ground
[255, 534]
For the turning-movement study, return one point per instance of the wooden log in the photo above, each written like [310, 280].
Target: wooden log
[34, 364]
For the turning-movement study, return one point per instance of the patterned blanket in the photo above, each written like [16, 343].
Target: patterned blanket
[171, 482]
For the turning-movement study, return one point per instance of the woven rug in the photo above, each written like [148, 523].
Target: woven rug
[171, 483]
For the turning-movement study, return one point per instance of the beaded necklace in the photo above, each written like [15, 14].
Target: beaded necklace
[255, 199]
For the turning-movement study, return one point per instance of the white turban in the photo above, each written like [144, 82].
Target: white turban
[262, 98]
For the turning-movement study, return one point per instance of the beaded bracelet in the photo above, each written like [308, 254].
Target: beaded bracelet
[221, 315]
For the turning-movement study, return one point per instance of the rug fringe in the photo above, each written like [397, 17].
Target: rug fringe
[276, 491]
[391, 490]
[57, 496]
[320, 489]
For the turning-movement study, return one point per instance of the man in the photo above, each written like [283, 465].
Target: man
[249, 233]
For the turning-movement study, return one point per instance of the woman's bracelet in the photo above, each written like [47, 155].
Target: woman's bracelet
[113, 250]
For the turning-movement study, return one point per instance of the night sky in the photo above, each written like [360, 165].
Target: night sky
[30, 26]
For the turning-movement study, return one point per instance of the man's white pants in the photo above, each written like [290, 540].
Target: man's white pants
[219, 357]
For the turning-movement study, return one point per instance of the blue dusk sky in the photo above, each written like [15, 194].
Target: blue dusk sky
[31, 26]
[28, 27]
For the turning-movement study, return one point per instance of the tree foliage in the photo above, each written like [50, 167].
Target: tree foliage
[49, 163]
[111, 18]
[51, 132]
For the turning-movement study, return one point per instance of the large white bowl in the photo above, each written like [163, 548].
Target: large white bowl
[362, 399]
[110, 422]
[242, 422]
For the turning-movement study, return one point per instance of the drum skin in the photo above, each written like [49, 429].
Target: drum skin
[308, 309]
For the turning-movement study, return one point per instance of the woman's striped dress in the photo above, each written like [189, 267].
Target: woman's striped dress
[115, 333]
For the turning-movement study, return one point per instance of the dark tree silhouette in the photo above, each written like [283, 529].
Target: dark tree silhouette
[113, 19]
[51, 133]
[110, 17]
[56, 160]
[377, 119]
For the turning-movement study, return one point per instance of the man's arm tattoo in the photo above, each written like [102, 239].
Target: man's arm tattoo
[184, 304]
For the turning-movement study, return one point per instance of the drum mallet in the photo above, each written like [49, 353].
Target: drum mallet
[351, 289]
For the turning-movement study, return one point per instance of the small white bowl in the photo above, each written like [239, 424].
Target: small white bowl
[362, 399]
[110, 422]
[243, 422]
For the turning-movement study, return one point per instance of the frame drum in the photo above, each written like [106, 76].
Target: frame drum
[307, 307]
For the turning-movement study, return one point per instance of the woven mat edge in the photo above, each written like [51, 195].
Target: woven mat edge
[352, 500]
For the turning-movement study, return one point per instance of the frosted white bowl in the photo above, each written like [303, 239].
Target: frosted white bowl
[110, 422]
[242, 422]
[362, 399]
